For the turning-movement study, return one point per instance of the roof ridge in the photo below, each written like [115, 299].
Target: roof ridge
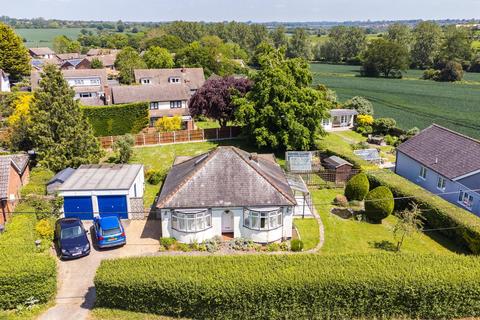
[289, 197]
[453, 131]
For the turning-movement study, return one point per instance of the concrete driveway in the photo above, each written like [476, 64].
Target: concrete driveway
[76, 293]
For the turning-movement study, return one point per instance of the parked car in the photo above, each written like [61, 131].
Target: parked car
[109, 232]
[71, 238]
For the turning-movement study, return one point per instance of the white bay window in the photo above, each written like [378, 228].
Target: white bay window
[262, 219]
[191, 220]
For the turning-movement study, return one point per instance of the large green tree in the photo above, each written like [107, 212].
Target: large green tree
[63, 44]
[282, 111]
[279, 37]
[61, 136]
[343, 44]
[14, 57]
[426, 44]
[127, 61]
[158, 58]
[400, 33]
[384, 57]
[299, 45]
[457, 44]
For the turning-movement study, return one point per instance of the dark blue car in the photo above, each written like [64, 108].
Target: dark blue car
[71, 238]
[109, 232]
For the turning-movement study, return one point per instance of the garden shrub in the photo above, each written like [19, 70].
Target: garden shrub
[390, 140]
[453, 71]
[379, 204]
[296, 245]
[361, 104]
[116, 120]
[383, 125]
[272, 247]
[306, 286]
[364, 120]
[45, 229]
[430, 74]
[357, 187]
[168, 243]
[340, 200]
[455, 223]
[183, 247]
[154, 177]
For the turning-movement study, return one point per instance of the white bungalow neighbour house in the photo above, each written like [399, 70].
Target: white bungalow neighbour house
[226, 192]
[4, 82]
[340, 119]
[445, 163]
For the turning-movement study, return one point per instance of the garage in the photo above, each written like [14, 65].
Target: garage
[113, 205]
[78, 207]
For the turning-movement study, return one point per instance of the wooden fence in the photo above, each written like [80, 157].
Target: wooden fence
[327, 178]
[156, 138]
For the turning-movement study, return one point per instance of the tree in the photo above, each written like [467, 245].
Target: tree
[384, 125]
[63, 44]
[409, 223]
[158, 58]
[168, 124]
[343, 44]
[401, 34]
[384, 57]
[214, 98]
[170, 42]
[127, 61]
[96, 64]
[279, 37]
[14, 57]
[362, 105]
[123, 147]
[18, 122]
[457, 45]
[282, 111]
[299, 45]
[61, 135]
[379, 204]
[120, 26]
[426, 44]
[357, 187]
[452, 71]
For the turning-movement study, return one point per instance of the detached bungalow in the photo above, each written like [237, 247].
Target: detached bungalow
[42, 53]
[340, 119]
[444, 162]
[226, 192]
[14, 173]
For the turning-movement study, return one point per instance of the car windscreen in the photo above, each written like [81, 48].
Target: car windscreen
[71, 232]
[111, 232]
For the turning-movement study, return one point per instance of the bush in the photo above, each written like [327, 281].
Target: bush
[379, 204]
[296, 245]
[430, 74]
[360, 145]
[357, 187]
[117, 120]
[362, 105]
[383, 125]
[45, 229]
[242, 244]
[390, 140]
[167, 243]
[183, 247]
[366, 130]
[306, 286]
[452, 71]
[124, 148]
[475, 66]
[340, 200]
[154, 177]
[272, 247]
[364, 120]
[459, 225]
[167, 124]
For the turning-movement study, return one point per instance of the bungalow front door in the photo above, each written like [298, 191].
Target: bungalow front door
[227, 221]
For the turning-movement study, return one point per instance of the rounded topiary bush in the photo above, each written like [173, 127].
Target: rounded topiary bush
[357, 187]
[296, 245]
[379, 204]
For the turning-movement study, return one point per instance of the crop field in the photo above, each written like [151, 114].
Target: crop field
[410, 101]
[44, 37]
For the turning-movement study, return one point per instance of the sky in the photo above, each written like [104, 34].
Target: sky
[241, 10]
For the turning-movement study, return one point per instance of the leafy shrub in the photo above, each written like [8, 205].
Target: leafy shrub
[37, 184]
[390, 140]
[168, 243]
[364, 120]
[123, 147]
[459, 225]
[242, 244]
[366, 130]
[284, 246]
[360, 145]
[452, 71]
[45, 229]
[362, 105]
[167, 124]
[182, 247]
[430, 74]
[340, 200]
[272, 247]
[154, 177]
[376, 286]
[379, 204]
[357, 187]
[117, 120]
[384, 125]
[214, 244]
[475, 66]
[296, 245]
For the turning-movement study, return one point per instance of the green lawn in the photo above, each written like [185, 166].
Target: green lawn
[410, 101]
[207, 124]
[308, 230]
[44, 37]
[114, 314]
[350, 236]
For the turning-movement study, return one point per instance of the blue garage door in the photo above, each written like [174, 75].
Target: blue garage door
[78, 207]
[113, 205]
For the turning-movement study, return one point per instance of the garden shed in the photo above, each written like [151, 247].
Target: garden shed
[340, 170]
[104, 190]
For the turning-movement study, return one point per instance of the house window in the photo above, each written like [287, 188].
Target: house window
[145, 81]
[423, 172]
[78, 82]
[174, 80]
[343, 119]
[465, 199]
[191, 221]
[325, 122]
[175, 104]
[94, 81]
[262, 220]
[86, 95]
[441, 183]
[154, 105]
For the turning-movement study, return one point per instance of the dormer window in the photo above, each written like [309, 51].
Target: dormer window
[174, 80]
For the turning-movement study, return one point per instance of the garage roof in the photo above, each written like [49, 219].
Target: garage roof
[102, 177]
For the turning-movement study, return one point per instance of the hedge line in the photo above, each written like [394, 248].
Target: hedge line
[25, 274]
[457, 224]
[117, 120]
[302, 286]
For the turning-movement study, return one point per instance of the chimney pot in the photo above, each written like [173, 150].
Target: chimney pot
[254, 156]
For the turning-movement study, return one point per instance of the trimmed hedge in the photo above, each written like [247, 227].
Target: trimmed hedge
[357, 187]
[300, 286]
[26, 273]
[455, 223]
[379, 204]
[116, 120]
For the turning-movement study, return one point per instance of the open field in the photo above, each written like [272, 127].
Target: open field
[44, 37]
[411, 101]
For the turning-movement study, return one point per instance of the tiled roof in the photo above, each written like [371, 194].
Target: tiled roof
[225, 177]
[69, 56]
[41, 51]
[19, 163]
[71, 74]
[192, 77]
[101, 52]
[107, 60]
[137, 93]
[445, 151]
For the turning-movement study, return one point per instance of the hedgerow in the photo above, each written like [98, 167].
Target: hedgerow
[455, 223]
[117, 120]
[302, 286]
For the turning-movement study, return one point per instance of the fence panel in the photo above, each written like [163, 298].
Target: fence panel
[167, 137]
[196, 135]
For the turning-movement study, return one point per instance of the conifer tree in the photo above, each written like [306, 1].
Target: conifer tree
[14, 57]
